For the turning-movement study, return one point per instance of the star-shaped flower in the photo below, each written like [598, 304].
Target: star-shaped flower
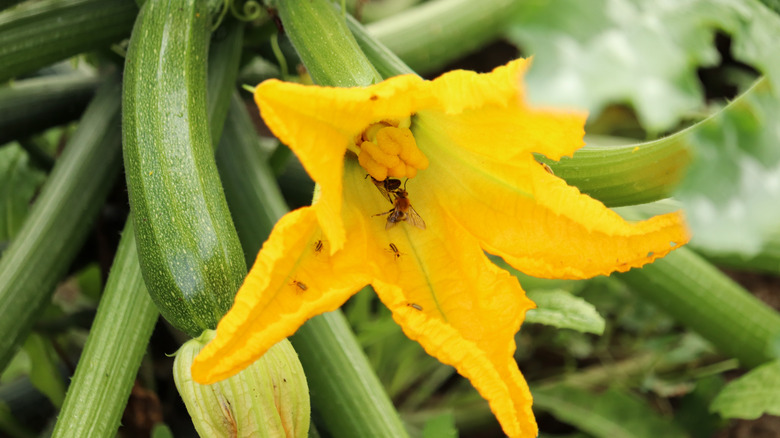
[452, 175]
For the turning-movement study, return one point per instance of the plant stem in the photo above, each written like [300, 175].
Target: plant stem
[60, 219]
[32, 105]
[37, 34]
[429, 36]
[116, 344]
[325, 45]
[706, 301]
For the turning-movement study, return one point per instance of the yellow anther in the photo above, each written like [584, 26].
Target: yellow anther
[411, 155]
[399, 171]
[390, 144]
[387, 159]
[376, 170]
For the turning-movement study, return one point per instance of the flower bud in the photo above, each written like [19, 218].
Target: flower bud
[269, 398]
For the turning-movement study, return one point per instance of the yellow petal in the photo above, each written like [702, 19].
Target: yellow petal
[318, 123]
[293, 279]
[446, 295]
[487, 114]
[463, 310]
[536, 222]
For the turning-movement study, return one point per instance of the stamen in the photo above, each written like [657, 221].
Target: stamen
[388, 148]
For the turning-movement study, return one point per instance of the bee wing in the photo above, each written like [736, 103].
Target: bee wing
[414, 218]
[380, 185]
[395, 217]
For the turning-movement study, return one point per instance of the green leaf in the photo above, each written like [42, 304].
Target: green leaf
[440, 426]
[731, 192]
[18, 182]
[561, 309]
[755, 30]
[590, 54]
[161, 430]
[43, 372]
[614, 413]
[692, 411]
[752, 395]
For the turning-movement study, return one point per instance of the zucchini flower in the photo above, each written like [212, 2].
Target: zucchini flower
[417, 180]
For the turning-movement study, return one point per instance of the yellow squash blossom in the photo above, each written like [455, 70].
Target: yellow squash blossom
[463, 145]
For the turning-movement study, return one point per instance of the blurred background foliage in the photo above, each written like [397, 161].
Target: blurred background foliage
[602, 358]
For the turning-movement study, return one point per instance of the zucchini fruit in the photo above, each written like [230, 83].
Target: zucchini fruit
[190, 255]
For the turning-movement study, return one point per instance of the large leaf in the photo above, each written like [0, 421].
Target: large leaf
[590, 54]
[731, 193]
[561, 309]
[752, 395]
[614, 413]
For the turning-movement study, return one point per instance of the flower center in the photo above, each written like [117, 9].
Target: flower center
[388, 149]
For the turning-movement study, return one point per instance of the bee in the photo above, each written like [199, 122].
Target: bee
[387, 187]
[300, 286]
[318, 246]
[402, 211]
[402, 208]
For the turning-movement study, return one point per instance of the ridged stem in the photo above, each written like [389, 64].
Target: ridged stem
[60, 218]
[37, 34]
[434, 33]
[32, 105]
[116, 344]
[325, 45]
[702, 298]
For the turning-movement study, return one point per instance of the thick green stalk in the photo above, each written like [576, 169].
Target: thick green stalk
[60, 219]
[429, 36]
[126, 315]
[627, 175]
[699, 296]
[117, 342]
[30, 106]
[37, 34]
[344, 387]
[224, 57]
[325, 45]
[385, 61]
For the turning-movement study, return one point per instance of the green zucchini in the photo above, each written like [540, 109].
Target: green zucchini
[190, 255]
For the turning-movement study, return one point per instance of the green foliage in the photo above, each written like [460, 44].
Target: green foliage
[614, 413]
[590, 54]
[731, 193]
[441, 426]
[44, 374]
[752, 395]
[559, 308]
